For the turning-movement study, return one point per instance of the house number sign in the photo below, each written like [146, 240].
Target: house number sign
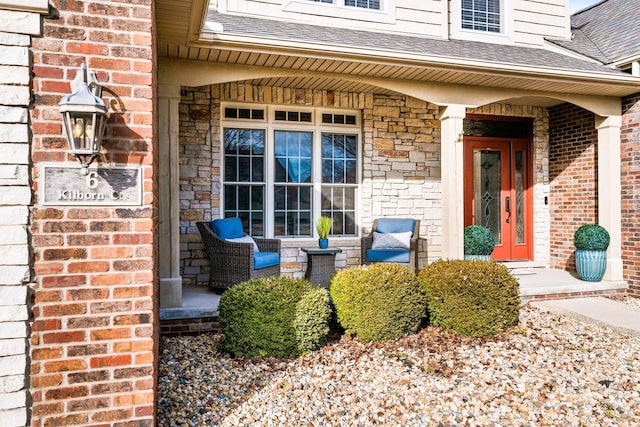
[106, 186]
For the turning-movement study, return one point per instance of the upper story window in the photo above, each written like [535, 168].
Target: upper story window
[364, 4]
[481, 15]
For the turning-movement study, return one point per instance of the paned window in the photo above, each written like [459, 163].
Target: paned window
[279, 180]
[365, 4]
[481, 15]
[244, 177]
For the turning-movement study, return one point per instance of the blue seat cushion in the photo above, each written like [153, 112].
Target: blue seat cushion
[227, 228]
[265, 259]
[381, 255]
[394, 225]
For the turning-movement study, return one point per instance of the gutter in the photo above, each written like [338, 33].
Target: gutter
[377, 56]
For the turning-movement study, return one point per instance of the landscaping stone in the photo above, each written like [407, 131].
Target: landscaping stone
[549, 370]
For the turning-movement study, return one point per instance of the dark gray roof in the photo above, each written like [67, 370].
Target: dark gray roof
[607, 31]
[453, 49]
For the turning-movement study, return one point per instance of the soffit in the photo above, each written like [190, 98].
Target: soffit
[178, 37]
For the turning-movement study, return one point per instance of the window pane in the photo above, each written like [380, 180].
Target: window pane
[481, 15]
[339, 204]
[367, 4]
[247, 203]
[293, 156]
[244, 155]
[293, 210]
[336, 149]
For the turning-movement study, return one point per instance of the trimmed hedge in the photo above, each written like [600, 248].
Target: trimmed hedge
[258, 318]
[472, 298]
[378, 301]
[311, 324]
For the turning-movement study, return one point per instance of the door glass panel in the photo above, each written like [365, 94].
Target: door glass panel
[519, 176]
[487, 180]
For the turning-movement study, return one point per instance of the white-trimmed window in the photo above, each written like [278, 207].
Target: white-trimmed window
[481, 15]
[285, 167]
[364, 4]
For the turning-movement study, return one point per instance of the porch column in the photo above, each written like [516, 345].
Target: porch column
[609, 196]
[451, 118]
[168, 197]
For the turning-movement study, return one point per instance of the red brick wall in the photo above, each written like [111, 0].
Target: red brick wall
[94, 328]
[630, 171]
[573, 177]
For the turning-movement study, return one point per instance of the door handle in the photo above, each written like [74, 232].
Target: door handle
[507, 204]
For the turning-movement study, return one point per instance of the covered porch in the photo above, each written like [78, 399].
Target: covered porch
[411, 109]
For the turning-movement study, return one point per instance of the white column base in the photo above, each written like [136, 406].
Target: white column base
[171, 292]
[613, 272]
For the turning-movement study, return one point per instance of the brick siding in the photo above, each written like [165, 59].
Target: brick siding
[573, 177]
[630, 171]
[94, 328]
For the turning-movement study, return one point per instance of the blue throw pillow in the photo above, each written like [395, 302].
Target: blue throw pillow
[394, 225]
[227, 228]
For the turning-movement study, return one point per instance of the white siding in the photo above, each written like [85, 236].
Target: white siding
[533, 20]
[527, 22]
[415, 17]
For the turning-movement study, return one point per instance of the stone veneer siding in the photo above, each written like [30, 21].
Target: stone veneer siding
[16, 31]
[94, 327]
[400, 167]
[573, 173]
[630, 171]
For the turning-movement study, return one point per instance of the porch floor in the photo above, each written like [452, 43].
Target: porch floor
[535, 284]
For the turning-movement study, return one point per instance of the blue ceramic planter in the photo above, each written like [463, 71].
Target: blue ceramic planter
[323, 243]
[591, 265]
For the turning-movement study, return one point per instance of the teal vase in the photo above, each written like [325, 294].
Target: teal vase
[591, 265]
[323, 243]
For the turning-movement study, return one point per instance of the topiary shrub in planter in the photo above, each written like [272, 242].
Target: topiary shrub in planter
[478, 242]
[591, 242]
[378, 302]
[471, 298]
[258, 318]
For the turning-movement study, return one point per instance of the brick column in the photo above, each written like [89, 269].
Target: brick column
[451, 118]
[94, 328]
[16, 28]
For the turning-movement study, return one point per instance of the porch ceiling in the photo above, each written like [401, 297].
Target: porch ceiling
[179, 36]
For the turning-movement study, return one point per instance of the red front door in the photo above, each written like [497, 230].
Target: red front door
[498, 193]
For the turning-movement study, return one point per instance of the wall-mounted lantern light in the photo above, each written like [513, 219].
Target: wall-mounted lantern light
[85, 118]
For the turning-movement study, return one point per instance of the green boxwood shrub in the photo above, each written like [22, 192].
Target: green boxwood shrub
[258, 318]
[471, 298]
[591, 237]
[478, 240]
[311, 324]
[378, 301]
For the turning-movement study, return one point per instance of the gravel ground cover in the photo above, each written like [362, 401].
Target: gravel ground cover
[550, 370]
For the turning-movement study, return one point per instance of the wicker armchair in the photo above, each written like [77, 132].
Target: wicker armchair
[408, 258]
[231, 262]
